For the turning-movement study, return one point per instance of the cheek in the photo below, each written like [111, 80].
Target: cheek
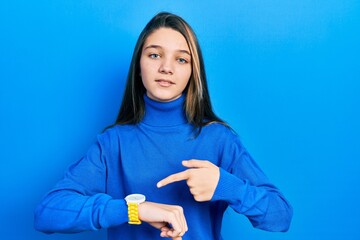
[142, 66]
[186, 76]
[145, 70]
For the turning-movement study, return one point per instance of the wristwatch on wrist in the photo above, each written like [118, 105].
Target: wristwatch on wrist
[133, 202]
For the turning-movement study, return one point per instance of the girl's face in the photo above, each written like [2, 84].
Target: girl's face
[165, 65]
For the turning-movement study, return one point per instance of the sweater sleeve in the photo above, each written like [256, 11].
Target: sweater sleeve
[244, 186]
[79, 201]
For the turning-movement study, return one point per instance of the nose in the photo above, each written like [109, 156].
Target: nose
[166, 67]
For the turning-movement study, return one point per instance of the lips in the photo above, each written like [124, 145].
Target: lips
[164, 82]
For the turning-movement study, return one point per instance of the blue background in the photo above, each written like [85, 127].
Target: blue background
[285, 74]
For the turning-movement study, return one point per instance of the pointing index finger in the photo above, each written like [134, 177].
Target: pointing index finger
[184, 175]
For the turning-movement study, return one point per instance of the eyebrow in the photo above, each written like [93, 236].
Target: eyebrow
[158, 46]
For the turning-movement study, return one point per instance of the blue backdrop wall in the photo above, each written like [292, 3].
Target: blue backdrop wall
[284, 74]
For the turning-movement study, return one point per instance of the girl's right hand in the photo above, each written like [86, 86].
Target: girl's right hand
[169, 219]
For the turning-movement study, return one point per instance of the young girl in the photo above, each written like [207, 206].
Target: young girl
[169, 167]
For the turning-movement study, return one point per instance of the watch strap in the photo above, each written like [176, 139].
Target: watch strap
[133, 213]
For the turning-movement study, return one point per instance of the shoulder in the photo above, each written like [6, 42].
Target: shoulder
[220, 133]
[224, 136]
[112, 134]
[219, 130]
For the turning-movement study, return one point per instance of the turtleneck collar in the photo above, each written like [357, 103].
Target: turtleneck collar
[164, 114]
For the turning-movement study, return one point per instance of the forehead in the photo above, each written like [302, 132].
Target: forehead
[167, 38]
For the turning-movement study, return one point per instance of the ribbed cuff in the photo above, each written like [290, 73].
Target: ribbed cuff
[115, 213]
[229, 187]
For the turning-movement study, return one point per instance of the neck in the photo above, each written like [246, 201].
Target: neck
[164, 113]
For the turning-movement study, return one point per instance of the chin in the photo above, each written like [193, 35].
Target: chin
[164, 97]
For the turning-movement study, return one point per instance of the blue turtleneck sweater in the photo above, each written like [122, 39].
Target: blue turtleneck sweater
[128, 159]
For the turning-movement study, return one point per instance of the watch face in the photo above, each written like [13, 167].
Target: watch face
[135, 198]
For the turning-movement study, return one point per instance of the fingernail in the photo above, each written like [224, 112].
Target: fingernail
[184, 162]
[159, 185]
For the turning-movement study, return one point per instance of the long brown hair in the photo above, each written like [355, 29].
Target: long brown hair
[197, 104]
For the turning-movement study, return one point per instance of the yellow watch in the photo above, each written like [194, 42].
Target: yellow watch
[133, 202]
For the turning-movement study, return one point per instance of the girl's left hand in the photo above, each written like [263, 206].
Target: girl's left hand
[201, 176]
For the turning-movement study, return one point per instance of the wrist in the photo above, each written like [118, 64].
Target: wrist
[133, 201]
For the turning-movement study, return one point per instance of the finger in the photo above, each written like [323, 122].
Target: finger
[175, 226]
[169, 232]
[196, 163]
[185, 225]
[174, 234]
[180, 230]
[165, 228]
[165, 233]
[173, 178]
[177, 238]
